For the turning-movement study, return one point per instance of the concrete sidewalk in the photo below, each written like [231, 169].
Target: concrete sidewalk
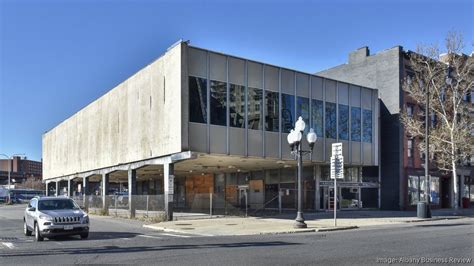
[317, 222]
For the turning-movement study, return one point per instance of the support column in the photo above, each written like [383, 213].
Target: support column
[317, 196]
[461, 190]
[57, 188]
[105, 191]
[132, 191]
[47, 189]
[69, 192]
[85, 193]
[169, 189]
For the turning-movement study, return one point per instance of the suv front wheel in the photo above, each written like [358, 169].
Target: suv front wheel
[38, 236]
[26, 230]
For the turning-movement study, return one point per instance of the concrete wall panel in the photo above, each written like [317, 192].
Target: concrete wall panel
[288, 81]
[271, 78]
[343, 93]
[255, 146]
[318, 152]
[218, 139]
[355, 95]
[356, 153]
[236, 71]
[218, 68]
[302, 85]
[198, 137]
[255, 73]
[197, 62]
[330, 87]
[126, 124]
[367, 153]
[285, 148]
[271, 145]
[366, 100]
[317, 88]
[237, 141]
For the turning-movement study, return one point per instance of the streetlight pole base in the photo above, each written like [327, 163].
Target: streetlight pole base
[299, 221]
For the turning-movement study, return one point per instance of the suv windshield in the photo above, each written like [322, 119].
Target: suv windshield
[57, 204]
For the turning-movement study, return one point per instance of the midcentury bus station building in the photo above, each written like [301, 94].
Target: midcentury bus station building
[196, 122]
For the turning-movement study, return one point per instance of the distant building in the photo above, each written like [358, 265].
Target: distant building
[21, 169]
[402, 170]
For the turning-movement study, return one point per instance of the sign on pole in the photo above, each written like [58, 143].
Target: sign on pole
[337, 172]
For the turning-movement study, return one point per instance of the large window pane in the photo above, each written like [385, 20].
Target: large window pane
[197, 100]
[255, 110]
[237, 106]
[343, 122]
[331, 120]
[302, 109]
[367, 127]
[287, 112]
[271, 111]
[355, 124]
[317, 117]
[218, 103]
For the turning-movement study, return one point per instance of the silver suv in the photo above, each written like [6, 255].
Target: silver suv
[55, 216]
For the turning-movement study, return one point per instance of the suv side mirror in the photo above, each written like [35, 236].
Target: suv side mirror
[31, 209]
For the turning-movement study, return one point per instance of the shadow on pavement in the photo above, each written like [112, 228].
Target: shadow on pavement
[441, 225]
[116, 249]
[97, 236]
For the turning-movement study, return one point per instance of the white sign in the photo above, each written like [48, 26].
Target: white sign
[337, 162]
[171, 184]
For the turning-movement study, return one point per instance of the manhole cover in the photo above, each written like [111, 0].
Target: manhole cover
[230, 224]
[184, 224]
[187, 228]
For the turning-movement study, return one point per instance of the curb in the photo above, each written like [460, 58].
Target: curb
[329, 229]
[310, 230]
[434, 219]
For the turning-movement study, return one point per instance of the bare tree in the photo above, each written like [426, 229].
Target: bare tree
[449, 79]
[32, 183]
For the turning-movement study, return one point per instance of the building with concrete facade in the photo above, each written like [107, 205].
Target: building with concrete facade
[401, 165]
[196, 122]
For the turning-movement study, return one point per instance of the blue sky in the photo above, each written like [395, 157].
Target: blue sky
[58, 56]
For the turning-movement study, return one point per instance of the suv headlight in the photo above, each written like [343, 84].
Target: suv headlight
[46, 217]
[85, 219]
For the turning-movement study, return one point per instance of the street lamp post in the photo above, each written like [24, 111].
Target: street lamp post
[294, 140]
[9, 158]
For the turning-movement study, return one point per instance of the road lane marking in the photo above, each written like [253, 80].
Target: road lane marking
[166, 234]
[8, 245]
[147, 236]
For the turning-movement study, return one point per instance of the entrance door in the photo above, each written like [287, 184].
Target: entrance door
[243, 196]
[445, 192]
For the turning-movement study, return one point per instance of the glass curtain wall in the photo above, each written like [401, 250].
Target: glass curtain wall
[367, 127]
[271, 111]
[355, 124]
[287, 112]
[255, 108]
[237, 106]
[197, 100]
[218, 103]
[331, 120]
[317, 117]
[302, 109]
[343, 122]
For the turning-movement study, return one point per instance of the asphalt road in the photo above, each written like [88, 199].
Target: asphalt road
[127, 242]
